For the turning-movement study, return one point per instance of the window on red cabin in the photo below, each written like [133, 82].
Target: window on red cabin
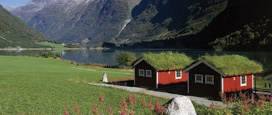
[148, 73]
[141, 72]
[178, 74]
[243, 80]
[198, 78]
[209, 79]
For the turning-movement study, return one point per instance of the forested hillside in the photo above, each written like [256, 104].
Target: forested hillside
[242, 25]
[14, 33]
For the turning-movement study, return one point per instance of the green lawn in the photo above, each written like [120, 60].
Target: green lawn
[261, 85]
[41, 86]
[46, 86]
[51, 44]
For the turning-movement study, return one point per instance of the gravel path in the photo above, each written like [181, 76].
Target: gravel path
[197, 100]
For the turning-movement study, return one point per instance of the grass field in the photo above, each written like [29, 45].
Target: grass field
[51, 44]
[42, 86]
[46, 86]
[261, 85]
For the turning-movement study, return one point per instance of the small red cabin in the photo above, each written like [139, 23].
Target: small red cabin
[209, 79]
[152, 71]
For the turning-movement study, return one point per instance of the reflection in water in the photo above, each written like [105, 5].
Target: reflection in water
[92, 56]
[108, 56]
[20, 53]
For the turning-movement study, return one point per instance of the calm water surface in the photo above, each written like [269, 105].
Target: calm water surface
[108, 56]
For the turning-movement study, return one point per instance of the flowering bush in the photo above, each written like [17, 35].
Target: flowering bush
[125, 109]
[158, 108]
[101, 97]
[110, 110]
[132, 99]
[66, 112]
[76, 109]
[95, 110]
[143, 103]
[243, 104]
[252, 104]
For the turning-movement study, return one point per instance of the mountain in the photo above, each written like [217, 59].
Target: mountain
[240, 25]
[204, 24]
[78, 21]
[118, 21]
[14, 33]
[164, 19]
[244, 25]
[26, 13]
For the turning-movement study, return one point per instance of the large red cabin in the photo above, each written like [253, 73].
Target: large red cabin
[205, 79]
[151, 75]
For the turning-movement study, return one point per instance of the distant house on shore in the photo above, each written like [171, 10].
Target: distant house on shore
[161, 70]
[268, 76]
[228, 74]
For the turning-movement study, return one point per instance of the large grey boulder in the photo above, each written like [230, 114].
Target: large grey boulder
[179, 106]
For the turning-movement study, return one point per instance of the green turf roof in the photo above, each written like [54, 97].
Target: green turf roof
[167, 60]
[233, 64]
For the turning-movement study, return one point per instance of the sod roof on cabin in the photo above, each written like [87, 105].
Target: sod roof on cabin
[233, 64]
[167, 60]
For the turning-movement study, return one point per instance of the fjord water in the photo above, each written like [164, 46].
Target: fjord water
[108, 56]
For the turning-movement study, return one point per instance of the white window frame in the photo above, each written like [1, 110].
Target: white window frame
[208, 82]
[243, 84]
[146, 71]
[142, 75]
[176, 72]
[198, 81]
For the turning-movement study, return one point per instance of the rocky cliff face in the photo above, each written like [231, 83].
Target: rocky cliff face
[28, 11]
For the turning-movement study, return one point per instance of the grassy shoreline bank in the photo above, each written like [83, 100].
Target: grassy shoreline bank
[46, 49]
[32, 85]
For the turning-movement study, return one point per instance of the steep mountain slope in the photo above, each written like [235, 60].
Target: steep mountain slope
[26, 13]
[246, 25]
[208, 24]
[79, 21]
[14, 33]
[164, 19]
[119, 21]
[242, 25]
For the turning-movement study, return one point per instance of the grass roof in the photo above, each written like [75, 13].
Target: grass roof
[167, 60]
[233, 64]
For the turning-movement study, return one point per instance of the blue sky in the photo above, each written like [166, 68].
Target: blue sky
[13, 2]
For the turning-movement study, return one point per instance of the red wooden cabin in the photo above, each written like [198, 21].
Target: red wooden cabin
[148, 74]
[205, 79]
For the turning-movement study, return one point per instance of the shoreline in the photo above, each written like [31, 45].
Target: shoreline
[34, 49]
[50, 49]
